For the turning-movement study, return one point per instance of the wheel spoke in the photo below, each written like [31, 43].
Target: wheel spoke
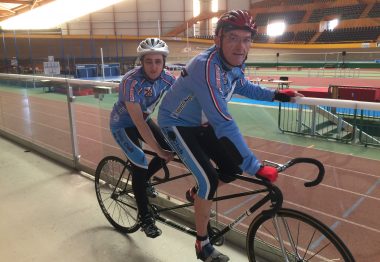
[311, 240]
[320, 250]
[292, 239]
[114, 194]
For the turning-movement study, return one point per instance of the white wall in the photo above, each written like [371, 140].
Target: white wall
[126, 18]
[140, 17]
[80, 26]
[238, 4]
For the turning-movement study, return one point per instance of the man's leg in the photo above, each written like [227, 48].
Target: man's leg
[202, 209]
[185, 141]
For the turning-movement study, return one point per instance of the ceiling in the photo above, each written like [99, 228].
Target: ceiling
[9, 8]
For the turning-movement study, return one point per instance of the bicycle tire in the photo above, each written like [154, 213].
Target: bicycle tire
[113, 186]
[316, 242]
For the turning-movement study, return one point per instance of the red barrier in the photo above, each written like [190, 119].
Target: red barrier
[359, 94]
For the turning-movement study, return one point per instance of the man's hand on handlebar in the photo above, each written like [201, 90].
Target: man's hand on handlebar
[267, 173]
[286, 95]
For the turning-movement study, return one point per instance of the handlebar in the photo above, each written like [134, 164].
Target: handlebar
[292, 162]
[280, 168]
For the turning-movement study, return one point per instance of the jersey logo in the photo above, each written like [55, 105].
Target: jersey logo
[182, 105]
[132, 91]
[212, 89]
[218, 78]
[224, 77]
[148, 91]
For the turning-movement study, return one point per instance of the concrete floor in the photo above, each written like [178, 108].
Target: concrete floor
[50, 213]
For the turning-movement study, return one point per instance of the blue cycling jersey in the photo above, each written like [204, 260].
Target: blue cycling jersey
[200, 95]
[136, 88]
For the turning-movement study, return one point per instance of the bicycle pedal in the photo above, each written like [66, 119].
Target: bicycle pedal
[212, 232]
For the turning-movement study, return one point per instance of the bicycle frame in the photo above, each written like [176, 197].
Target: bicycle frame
[274, 195]
[273, 226]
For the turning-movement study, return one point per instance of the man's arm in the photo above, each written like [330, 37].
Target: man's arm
[257, 92]
[253, 91]
[214, 106]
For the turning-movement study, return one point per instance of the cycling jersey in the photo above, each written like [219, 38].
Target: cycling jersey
[135, 88]
[200, 96]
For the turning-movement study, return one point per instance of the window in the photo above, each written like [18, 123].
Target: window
[276, 28]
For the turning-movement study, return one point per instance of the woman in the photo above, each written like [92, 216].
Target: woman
[139, 92]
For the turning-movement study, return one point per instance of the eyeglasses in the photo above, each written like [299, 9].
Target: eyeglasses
[234, 39]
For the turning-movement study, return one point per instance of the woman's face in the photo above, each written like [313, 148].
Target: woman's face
[235, 45]
[153, 65]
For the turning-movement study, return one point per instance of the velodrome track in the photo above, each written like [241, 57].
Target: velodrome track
[347, 200]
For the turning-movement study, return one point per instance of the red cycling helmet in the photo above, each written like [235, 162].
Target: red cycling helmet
[236, 19]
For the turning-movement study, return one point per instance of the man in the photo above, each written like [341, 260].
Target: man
[139, 92]
[195, 120]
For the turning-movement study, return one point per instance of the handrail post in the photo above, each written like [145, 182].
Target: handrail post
[299, 118]
[313, 120]
[73, 132]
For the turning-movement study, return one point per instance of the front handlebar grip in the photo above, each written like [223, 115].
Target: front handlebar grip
[313, 161]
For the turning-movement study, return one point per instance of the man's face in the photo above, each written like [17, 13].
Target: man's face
[235, 46]
[153, 65]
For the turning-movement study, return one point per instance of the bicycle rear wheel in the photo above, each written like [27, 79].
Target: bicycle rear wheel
[113, 186]
[298, 237]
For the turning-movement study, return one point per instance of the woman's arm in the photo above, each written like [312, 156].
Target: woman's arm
[136, 114]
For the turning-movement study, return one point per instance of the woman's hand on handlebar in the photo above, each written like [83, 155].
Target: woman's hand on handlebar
[166, 155]
[267, 173]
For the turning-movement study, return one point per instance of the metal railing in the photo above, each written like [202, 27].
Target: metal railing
[57, 135]
[341, 120]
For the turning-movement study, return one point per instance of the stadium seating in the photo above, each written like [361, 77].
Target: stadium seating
[349, 34]
[290, 17]
[312, 13]
[286, 37]
[304, 36]
[260, 38]
[345, 12]
[375, 10]
[298, 2]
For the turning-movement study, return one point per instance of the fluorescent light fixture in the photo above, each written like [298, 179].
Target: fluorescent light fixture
[275, 28]
[214, 6]
[55, 13]
[332, 24]
[196, 8]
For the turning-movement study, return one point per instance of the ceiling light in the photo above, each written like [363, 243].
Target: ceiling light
[55, 13]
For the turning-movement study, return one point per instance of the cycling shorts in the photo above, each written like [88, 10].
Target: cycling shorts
[129, 140]
[203, 154]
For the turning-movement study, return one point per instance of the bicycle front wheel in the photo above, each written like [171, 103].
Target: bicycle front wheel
[113, 185]
[293, 236]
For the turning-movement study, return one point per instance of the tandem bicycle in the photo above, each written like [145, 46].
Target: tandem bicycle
[275, 233]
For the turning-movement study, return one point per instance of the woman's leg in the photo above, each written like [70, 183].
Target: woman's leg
[157, 163]
[129, 140]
